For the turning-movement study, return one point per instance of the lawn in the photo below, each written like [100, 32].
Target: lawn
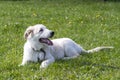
[90, 23]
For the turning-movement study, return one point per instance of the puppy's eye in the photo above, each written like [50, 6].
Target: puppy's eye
[41, 30]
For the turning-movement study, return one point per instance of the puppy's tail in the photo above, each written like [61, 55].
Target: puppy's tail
[97, 49]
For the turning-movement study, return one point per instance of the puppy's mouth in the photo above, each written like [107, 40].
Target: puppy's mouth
[46, 41]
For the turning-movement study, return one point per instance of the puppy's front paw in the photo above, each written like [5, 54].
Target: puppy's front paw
[20, 65]
[44, 64]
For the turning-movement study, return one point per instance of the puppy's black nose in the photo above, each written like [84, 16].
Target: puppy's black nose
[52, 34]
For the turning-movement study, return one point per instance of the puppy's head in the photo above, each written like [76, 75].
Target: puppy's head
[39, 33]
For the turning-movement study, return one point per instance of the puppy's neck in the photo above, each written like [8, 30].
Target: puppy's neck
[35, 44]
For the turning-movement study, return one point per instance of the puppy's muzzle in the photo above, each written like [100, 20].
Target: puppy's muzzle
[52, 34]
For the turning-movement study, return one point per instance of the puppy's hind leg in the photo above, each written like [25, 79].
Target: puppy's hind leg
[70, 53]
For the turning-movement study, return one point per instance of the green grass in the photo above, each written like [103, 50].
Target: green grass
[89, 23]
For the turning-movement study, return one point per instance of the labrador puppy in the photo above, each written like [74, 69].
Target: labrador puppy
[39, 47]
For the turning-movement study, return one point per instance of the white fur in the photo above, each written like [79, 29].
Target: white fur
[63, 48]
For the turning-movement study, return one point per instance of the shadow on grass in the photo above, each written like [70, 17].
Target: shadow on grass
[79, 63]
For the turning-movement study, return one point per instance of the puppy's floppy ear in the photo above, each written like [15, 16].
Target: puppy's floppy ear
[28, 32]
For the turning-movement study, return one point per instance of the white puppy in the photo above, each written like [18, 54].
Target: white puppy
[39, 48]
